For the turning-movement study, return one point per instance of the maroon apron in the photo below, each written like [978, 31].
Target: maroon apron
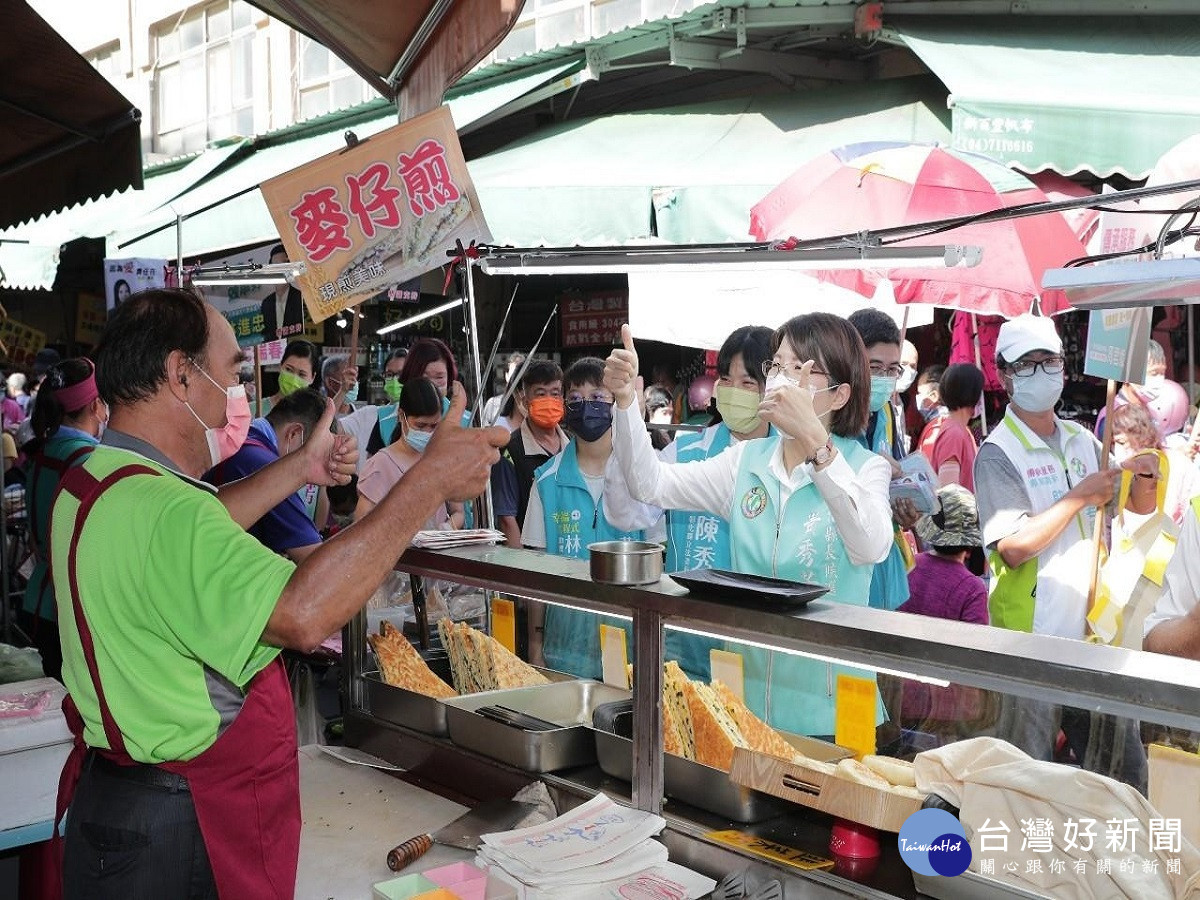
[246, 786]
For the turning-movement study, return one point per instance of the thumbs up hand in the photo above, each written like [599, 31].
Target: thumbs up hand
[462, 458]
[621, 369]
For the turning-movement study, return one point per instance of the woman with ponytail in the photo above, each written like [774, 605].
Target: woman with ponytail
[68, 419]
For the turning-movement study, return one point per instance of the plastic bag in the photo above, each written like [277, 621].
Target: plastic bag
[19, 664]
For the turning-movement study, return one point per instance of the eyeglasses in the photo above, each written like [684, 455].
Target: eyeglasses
[879, 370]
[1051, 365]
[790, 371]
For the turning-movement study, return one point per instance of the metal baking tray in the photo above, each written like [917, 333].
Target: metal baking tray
[417, 711]
[408, 708]
[568, 704]
[703, 786]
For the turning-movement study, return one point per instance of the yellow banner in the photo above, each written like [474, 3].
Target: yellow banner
[90, 316]
[20, 342]
[369, 217]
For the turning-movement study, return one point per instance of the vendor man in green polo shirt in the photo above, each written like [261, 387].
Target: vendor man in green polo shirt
[173, 616]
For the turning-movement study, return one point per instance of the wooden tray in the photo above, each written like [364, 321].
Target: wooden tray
[837, 796]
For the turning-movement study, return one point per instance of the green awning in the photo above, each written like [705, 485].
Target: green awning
[472, 109]
[29, 252]
[227, 211]
[1102, 94]
[687, 174]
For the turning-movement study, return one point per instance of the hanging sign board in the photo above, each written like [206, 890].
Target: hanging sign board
[386, 210]
[1118, 343]
[123, 277]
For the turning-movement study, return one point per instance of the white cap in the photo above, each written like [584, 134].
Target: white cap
[1025, 333]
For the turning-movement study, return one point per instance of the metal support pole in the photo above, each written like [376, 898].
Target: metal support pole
[1191, 348]
[8, 610]
[979, 365]
[484, 519]
[647, 710]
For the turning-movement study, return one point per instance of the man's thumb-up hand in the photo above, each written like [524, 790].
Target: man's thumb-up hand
[463, 457]
[621, 369]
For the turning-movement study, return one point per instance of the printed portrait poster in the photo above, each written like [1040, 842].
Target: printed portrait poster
[254, 309]
[367, 218]
[123, 277]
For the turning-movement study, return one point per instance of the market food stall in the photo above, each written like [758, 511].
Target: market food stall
[706, 831]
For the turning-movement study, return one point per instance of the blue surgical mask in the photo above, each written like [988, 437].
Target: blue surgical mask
[418, 440]
[352, 394]
[882, 388]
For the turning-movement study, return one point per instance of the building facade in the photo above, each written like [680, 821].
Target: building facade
[203, 72]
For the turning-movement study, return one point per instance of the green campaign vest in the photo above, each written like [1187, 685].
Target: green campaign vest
[796, 540]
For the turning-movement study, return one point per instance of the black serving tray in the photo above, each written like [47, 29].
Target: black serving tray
[755, 590]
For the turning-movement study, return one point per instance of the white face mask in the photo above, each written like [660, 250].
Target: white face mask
[778, 380]
[1038, 392]
[907, 376]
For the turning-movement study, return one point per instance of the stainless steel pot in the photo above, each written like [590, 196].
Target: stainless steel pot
[626, 562]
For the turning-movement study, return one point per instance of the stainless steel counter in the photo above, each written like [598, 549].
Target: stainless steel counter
[1145, 686]
[352, 817]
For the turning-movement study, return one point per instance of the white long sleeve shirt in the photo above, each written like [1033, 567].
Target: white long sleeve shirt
[858, 501]
[1181, 583]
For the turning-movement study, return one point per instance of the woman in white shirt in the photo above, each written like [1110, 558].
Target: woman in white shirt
[808, 504]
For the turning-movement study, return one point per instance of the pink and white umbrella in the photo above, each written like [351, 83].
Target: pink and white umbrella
[872, 186]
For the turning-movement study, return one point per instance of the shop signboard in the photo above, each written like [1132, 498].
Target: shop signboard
[20, 343]
[252, 308]
[270, 353]
[1118, 343]
[381, 212]
[404, 292]
[593, 319]
[123, 277]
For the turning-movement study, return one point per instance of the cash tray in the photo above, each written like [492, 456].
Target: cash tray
[696, 784]
[566, 704]
[759, 591]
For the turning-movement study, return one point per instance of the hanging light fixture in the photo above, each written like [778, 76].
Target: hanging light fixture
[246, 273]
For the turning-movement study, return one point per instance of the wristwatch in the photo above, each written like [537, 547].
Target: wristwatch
[823, 455]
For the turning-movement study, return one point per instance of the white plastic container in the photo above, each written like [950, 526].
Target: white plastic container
[32, 752]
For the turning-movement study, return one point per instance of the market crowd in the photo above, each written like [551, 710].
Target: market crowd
[181, 541]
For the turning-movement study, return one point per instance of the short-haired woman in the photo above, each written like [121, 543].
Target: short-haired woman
[947, 442]
[809, 504]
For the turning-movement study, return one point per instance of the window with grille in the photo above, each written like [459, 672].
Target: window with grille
[325, 83]
[204, 77]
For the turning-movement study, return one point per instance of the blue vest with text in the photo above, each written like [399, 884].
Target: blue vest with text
[571, 637]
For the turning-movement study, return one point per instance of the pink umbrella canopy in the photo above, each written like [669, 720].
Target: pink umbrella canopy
[1179, 163]
[871, 186]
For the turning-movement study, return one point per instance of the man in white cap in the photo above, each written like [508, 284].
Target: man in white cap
[1039, 481]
